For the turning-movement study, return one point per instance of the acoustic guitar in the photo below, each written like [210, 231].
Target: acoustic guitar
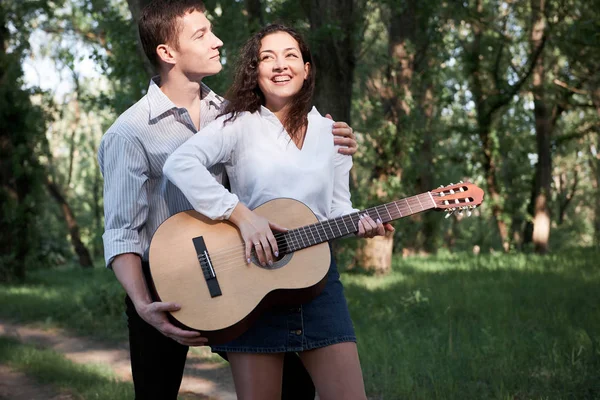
[200, 264]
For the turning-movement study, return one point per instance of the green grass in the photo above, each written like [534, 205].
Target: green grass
[49, 367]
[445, 327]
[87, 302]
[493, 327]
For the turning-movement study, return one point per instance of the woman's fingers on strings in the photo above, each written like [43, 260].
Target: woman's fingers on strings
[380, 228]
[273, 243]
[370, 226]
[266, 250]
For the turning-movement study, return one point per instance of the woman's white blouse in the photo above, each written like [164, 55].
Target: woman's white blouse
[262, 163]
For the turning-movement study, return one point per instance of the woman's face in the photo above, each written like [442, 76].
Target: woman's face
[281, 71]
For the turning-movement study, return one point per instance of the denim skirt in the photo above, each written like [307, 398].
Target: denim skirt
[323, 321]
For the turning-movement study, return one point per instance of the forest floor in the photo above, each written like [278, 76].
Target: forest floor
[202, 379]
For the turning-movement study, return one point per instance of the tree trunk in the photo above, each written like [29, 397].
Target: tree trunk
[430, 220]
[15, 229]
[334, 54]
[543, 130]
[595, 166]
[256, 19]
[82, 252]
[135, 7]
[375, 254]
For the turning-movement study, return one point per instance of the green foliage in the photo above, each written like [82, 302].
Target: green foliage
[22, 137]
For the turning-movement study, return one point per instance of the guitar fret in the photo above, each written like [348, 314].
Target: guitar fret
[419, 200]
[345, 226]
[338, 227]
[329, 236]
[317, 226]
[409, 209]
[312, 234]
[378, 216]
[388, 211]
[354, 225]
[396, 204]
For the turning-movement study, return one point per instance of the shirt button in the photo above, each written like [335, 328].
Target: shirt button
[298, 332]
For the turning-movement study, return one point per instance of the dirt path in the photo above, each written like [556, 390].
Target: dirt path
[202, 379]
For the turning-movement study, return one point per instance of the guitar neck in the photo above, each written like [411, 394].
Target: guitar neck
[324, 231]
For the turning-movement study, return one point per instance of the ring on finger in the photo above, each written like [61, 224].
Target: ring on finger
[257, 244]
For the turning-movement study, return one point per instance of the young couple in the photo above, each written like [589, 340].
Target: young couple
[269, 143]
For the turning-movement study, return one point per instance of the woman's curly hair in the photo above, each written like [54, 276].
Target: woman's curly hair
[245, 95]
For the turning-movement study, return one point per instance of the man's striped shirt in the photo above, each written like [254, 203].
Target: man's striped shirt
[137, 196]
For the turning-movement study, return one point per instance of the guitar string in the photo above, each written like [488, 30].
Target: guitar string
[299, 237]
[224, 258]
[318, 227]
[223, 261]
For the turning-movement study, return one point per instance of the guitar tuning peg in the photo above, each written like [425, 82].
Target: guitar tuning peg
[441, 186]
[451, 191]
[461, 182]
[449, 213]
[469, 213]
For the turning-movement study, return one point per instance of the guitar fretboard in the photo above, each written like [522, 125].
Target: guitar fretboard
[310, 235]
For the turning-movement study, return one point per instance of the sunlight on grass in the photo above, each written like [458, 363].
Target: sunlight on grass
[489, 327]
[49, 367]
[452, 326]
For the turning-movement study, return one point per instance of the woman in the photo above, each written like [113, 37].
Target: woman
[273, 145]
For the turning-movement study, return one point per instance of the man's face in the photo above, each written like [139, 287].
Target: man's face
[197, 55]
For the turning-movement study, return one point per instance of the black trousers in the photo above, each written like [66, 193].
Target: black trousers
[157, 364]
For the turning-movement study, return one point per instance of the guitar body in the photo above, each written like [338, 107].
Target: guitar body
[245, 289]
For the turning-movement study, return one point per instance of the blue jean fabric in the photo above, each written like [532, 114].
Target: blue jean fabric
[321, 322]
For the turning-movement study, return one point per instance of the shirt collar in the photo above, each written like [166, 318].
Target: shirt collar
[160, 104]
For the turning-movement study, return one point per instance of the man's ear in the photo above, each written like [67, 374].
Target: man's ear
[166, 53]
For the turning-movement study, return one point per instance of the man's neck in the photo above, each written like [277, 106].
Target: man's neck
[181, 91]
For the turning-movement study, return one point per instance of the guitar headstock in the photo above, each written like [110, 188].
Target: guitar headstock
[463, 196]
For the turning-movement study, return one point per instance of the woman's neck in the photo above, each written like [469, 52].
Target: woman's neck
[280, 110]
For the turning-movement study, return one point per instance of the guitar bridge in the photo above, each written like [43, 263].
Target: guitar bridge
[207, 268]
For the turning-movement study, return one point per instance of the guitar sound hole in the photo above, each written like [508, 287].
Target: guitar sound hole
[277, 263]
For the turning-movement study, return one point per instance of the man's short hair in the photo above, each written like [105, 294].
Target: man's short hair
[158, 24]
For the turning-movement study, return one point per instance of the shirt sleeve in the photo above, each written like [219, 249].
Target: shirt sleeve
[188, 167]
[125, 170]
[340, 201]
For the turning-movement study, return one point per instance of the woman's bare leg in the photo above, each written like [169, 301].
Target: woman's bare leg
[257, 376]
[336, 372]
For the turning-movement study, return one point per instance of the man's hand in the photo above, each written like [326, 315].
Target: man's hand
[156, 315]
[128, 270]
[344, 136]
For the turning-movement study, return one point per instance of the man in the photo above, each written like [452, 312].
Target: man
[178, 39]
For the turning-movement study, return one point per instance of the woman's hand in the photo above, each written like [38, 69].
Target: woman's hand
[368, 228]
[256, 232]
